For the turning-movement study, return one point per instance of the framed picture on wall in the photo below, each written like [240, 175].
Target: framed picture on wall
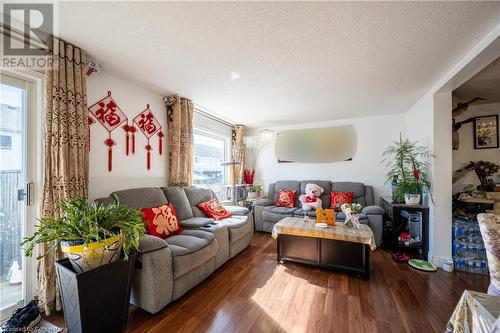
[486, 132]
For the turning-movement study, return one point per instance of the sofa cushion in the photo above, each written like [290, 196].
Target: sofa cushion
[274, 214]
[280, 210]
[197, 195]
[358, 190]
[237, 210]
[191, 250]
[238, 226]
[287, 185]
[196, 222]
[178, 198]
[325, 184]
[143, 197]
[300, 213]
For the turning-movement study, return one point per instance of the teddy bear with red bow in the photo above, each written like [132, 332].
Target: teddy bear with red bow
[310, 200]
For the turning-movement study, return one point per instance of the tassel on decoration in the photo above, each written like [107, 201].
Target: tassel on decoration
[133, 130]
[148, 149]
[126, 128]
[110, 143]
[160, 143]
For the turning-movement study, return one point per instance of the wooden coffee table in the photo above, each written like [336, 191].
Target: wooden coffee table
[336, 247]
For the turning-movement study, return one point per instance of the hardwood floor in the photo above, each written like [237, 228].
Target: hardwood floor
[252, 293]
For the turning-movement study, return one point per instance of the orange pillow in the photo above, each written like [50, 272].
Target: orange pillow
[339, 198]
[286, 198]
[162, 221]
[214, 209]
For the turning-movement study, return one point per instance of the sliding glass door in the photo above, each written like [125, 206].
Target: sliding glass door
[15, 196]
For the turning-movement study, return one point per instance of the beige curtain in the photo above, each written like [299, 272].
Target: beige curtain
[238, 151]
[180, 140]
[66, 159]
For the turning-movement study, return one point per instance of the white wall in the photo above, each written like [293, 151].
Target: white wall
[466, 151]
[429, 120]
[128, 171]
[374, 135]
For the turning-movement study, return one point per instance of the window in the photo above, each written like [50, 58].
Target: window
[6, 142]
[209, 152]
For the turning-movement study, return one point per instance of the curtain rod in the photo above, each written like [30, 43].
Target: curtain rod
[204, 113]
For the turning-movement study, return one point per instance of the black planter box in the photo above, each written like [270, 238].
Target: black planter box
[97, 300]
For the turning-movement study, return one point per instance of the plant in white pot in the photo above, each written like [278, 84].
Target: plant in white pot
[90, 234]
[255, 191]
[409, 165]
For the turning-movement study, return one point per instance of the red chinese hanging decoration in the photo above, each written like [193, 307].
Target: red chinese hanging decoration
[149, 126]
[107, 112]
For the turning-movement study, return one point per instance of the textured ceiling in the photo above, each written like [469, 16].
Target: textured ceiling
[484, 84]
[274, 63]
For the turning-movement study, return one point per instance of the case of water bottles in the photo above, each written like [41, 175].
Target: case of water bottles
[469, 254]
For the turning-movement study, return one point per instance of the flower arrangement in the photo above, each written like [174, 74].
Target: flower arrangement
[351, 211]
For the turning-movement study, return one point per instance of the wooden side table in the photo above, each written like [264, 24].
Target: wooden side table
[413, 219]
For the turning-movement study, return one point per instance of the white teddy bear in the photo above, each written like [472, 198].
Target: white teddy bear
[311, 199]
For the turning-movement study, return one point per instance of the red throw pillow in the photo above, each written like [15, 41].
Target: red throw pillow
[162, 221]
[339, 198]
[214, 209]
[286, 198]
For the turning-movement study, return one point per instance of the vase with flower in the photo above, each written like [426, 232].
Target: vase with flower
[351, 211]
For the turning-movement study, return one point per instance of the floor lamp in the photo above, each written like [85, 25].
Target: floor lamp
[232, 166]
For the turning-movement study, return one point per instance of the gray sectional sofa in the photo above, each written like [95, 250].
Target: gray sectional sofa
[267, 213]
[167, 268]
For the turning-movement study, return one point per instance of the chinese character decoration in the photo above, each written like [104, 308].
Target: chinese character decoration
[149, 126]
[109, 115]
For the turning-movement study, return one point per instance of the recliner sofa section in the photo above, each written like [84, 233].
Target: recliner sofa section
[167, 268]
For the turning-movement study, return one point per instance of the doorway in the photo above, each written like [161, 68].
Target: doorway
[18, 133]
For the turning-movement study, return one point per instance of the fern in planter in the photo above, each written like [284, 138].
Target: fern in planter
[86, 224]
[409, 163]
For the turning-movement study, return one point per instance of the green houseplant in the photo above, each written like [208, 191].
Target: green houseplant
[409, 168]
[254, 191]
[90, 234]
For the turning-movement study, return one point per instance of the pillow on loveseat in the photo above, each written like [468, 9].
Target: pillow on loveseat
[162, 221]
[339, 198]
[286, 198]
[214, 209]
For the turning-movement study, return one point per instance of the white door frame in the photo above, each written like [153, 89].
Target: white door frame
[32, 159]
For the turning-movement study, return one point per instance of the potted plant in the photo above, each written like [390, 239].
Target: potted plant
[90, 234]
[254, 191]
[94, 283]
[409, 168]
[483, 170]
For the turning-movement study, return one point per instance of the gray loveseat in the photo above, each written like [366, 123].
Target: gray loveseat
[167, 268]
[267, 213]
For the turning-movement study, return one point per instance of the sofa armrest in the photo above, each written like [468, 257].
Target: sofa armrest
[264, 202]
[151, 243]
[237, 210]
[372, 210]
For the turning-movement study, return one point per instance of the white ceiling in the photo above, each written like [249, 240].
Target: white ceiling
[484, 84]
[296, 61]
